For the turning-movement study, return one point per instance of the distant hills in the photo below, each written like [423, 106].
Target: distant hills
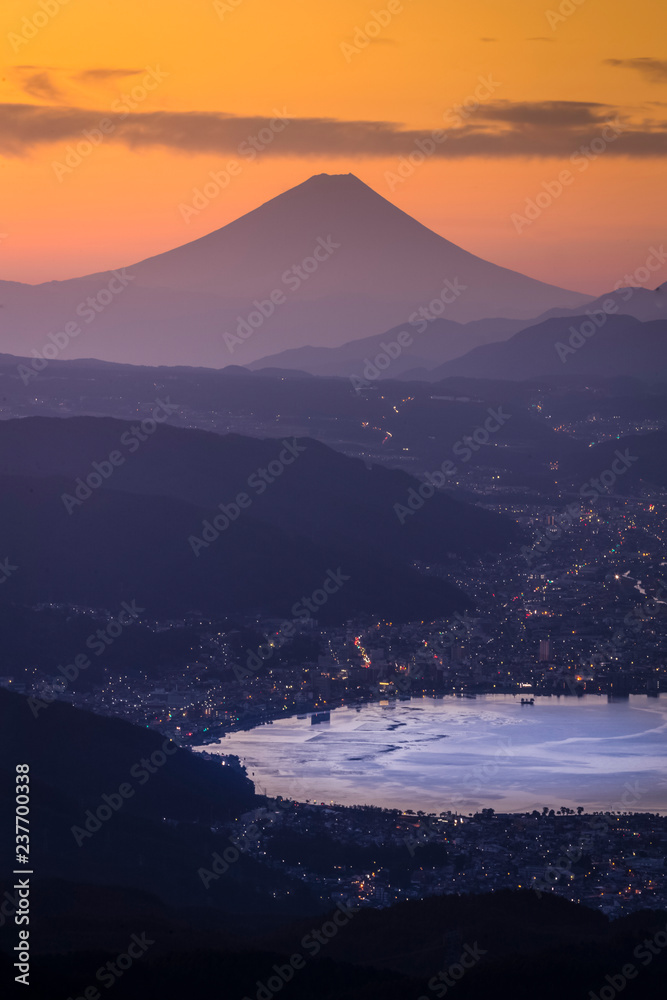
[341, 261]
[646, 461]
[412, 425]
[420, 344]
[568, 347]
[422, 348]
[629, 300]
[307, 510]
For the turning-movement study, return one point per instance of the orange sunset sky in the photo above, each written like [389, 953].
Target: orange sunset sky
[218, 72]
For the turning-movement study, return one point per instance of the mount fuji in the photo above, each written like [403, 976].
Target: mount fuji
[324, 263]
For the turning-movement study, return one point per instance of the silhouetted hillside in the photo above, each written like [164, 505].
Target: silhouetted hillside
[622, 346]
[645, 461]
[141, 532]
[123, 547]
[419, 341]
[160, 830]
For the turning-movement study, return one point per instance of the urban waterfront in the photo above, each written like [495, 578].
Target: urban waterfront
[467, 754]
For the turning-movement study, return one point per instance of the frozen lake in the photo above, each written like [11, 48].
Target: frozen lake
[467, 754]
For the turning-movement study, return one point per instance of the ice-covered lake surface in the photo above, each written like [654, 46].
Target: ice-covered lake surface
[466, 754]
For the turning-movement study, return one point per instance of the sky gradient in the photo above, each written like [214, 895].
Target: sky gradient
[540, 82]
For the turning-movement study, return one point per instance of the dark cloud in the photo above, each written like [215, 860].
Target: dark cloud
[556, 113]
[540, 38]
[488, 39]
[498, 129]
[655, 70]
[40, 81]
[40, 84]
[103, 75]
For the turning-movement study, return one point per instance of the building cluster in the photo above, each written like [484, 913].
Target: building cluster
[584, 611]
[611, 861]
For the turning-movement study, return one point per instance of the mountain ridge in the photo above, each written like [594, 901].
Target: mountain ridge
[620, 346]
[329, 260]
[75, 498]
